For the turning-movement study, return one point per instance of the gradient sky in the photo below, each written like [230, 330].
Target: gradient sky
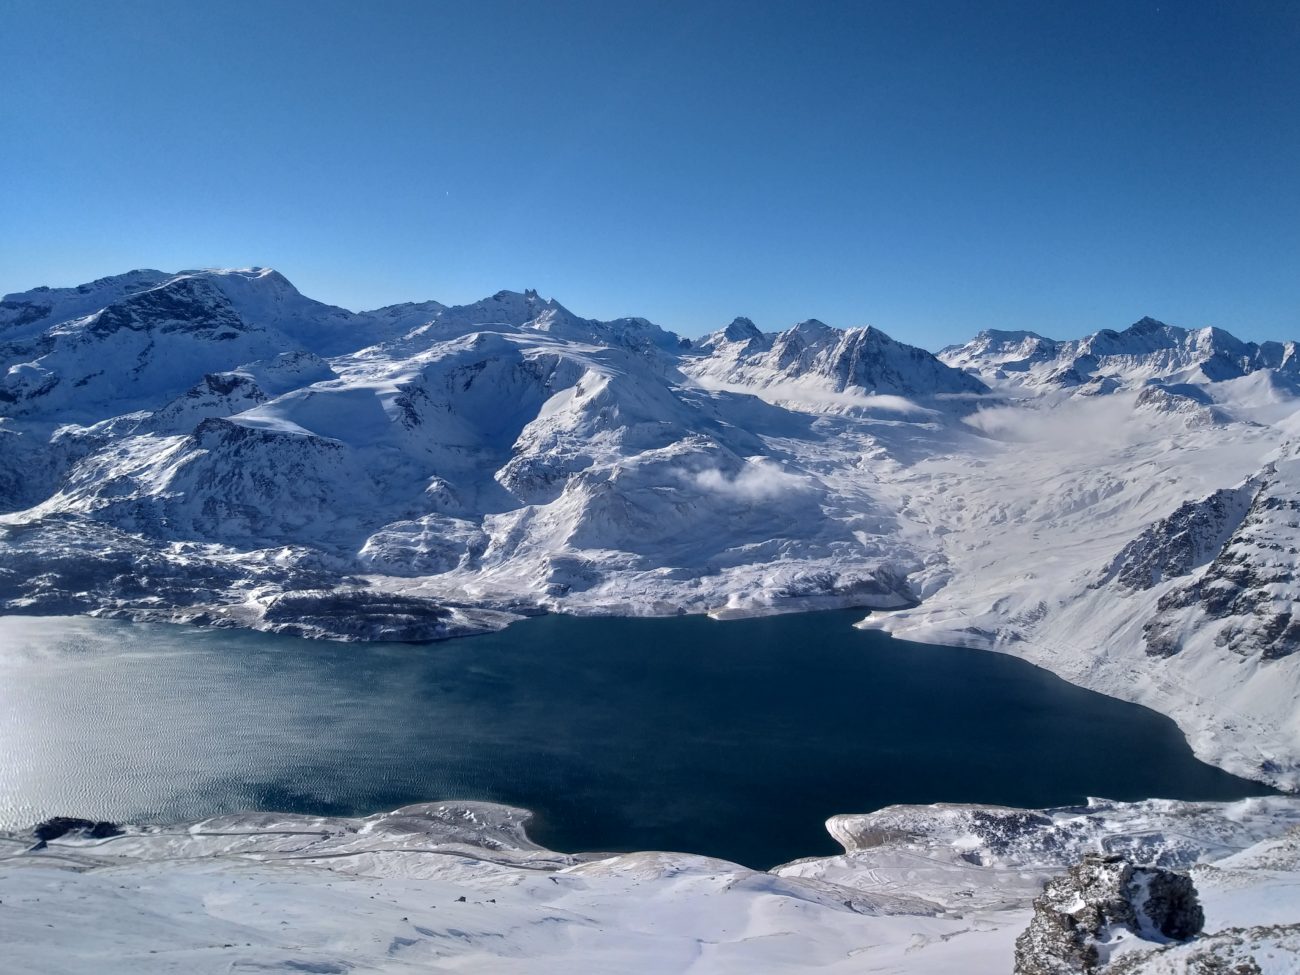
[930, 168]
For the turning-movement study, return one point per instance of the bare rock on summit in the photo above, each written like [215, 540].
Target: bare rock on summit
[1104, 900]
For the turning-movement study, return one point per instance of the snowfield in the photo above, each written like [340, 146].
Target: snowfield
[459, 887]
[214, 447]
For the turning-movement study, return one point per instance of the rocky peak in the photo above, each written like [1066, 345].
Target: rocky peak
[509, 308]
[741, 330]
[810, 329]
[1146, 325]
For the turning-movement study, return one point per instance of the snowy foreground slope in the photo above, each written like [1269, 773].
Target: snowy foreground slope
[214, 447]
[457, 887]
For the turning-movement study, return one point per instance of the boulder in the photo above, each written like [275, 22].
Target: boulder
[1103, 902]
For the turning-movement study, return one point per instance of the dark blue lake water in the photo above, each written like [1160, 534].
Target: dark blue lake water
[733, 739]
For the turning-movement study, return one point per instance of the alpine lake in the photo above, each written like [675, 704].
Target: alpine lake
[734, 739]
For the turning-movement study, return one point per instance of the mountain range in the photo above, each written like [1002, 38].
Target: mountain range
[214, 447]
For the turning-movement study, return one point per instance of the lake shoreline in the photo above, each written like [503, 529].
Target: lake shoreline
[917, 888]
[572, 717]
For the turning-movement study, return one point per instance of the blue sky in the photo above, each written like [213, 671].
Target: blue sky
[930, 168]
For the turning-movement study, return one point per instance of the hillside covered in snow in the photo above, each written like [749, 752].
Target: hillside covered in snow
[460, 887]
[215, 447]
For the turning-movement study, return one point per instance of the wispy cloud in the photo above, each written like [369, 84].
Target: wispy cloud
[814, 398]
[758, 480]
[1078, 420]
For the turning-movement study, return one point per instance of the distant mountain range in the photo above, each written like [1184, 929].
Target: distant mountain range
[1147, 351]
[215, 447]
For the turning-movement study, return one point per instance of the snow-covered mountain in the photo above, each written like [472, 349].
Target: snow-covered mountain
[122, 343]
[1145, 352]
[213, 446]
[813, 359]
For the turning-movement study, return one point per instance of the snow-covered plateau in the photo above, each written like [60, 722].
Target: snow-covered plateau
[214, 447]
[458, 887]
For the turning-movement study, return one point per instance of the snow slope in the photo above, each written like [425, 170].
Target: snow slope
[212, 446]
[459, 887]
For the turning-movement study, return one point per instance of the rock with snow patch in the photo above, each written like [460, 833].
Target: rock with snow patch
[1083, 917]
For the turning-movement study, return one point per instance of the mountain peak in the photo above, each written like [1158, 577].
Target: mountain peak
[507, 307]
[815, 355]
[741, 329]
[874, 334]
[1007, 335]
[812, 326]
[1145, 351]
[1145, 325]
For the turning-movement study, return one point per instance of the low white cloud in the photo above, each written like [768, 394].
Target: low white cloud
[812, 398]
[1077, 420]
[758, 480]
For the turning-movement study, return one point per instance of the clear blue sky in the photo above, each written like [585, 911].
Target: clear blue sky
[930, 168]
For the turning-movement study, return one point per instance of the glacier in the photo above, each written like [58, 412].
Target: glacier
[214, 447]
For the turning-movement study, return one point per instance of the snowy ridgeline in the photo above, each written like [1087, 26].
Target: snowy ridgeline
[459, 887]
[214, 447]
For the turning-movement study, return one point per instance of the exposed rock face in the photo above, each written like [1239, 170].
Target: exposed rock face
[358, 613]
[31, 311]
[1189, 538]
[1246, 588]
[1081, 917]
[52, 829]
[131, 351]
[216, 395]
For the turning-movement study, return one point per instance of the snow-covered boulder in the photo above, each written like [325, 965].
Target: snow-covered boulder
[1100, 904]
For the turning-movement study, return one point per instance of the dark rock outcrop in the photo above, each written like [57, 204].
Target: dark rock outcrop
[1101, 901]
[359, 614]
[53, 828]
[1186, 540]
[1249, 584]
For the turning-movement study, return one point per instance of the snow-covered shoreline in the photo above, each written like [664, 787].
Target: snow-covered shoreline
[459, 886]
